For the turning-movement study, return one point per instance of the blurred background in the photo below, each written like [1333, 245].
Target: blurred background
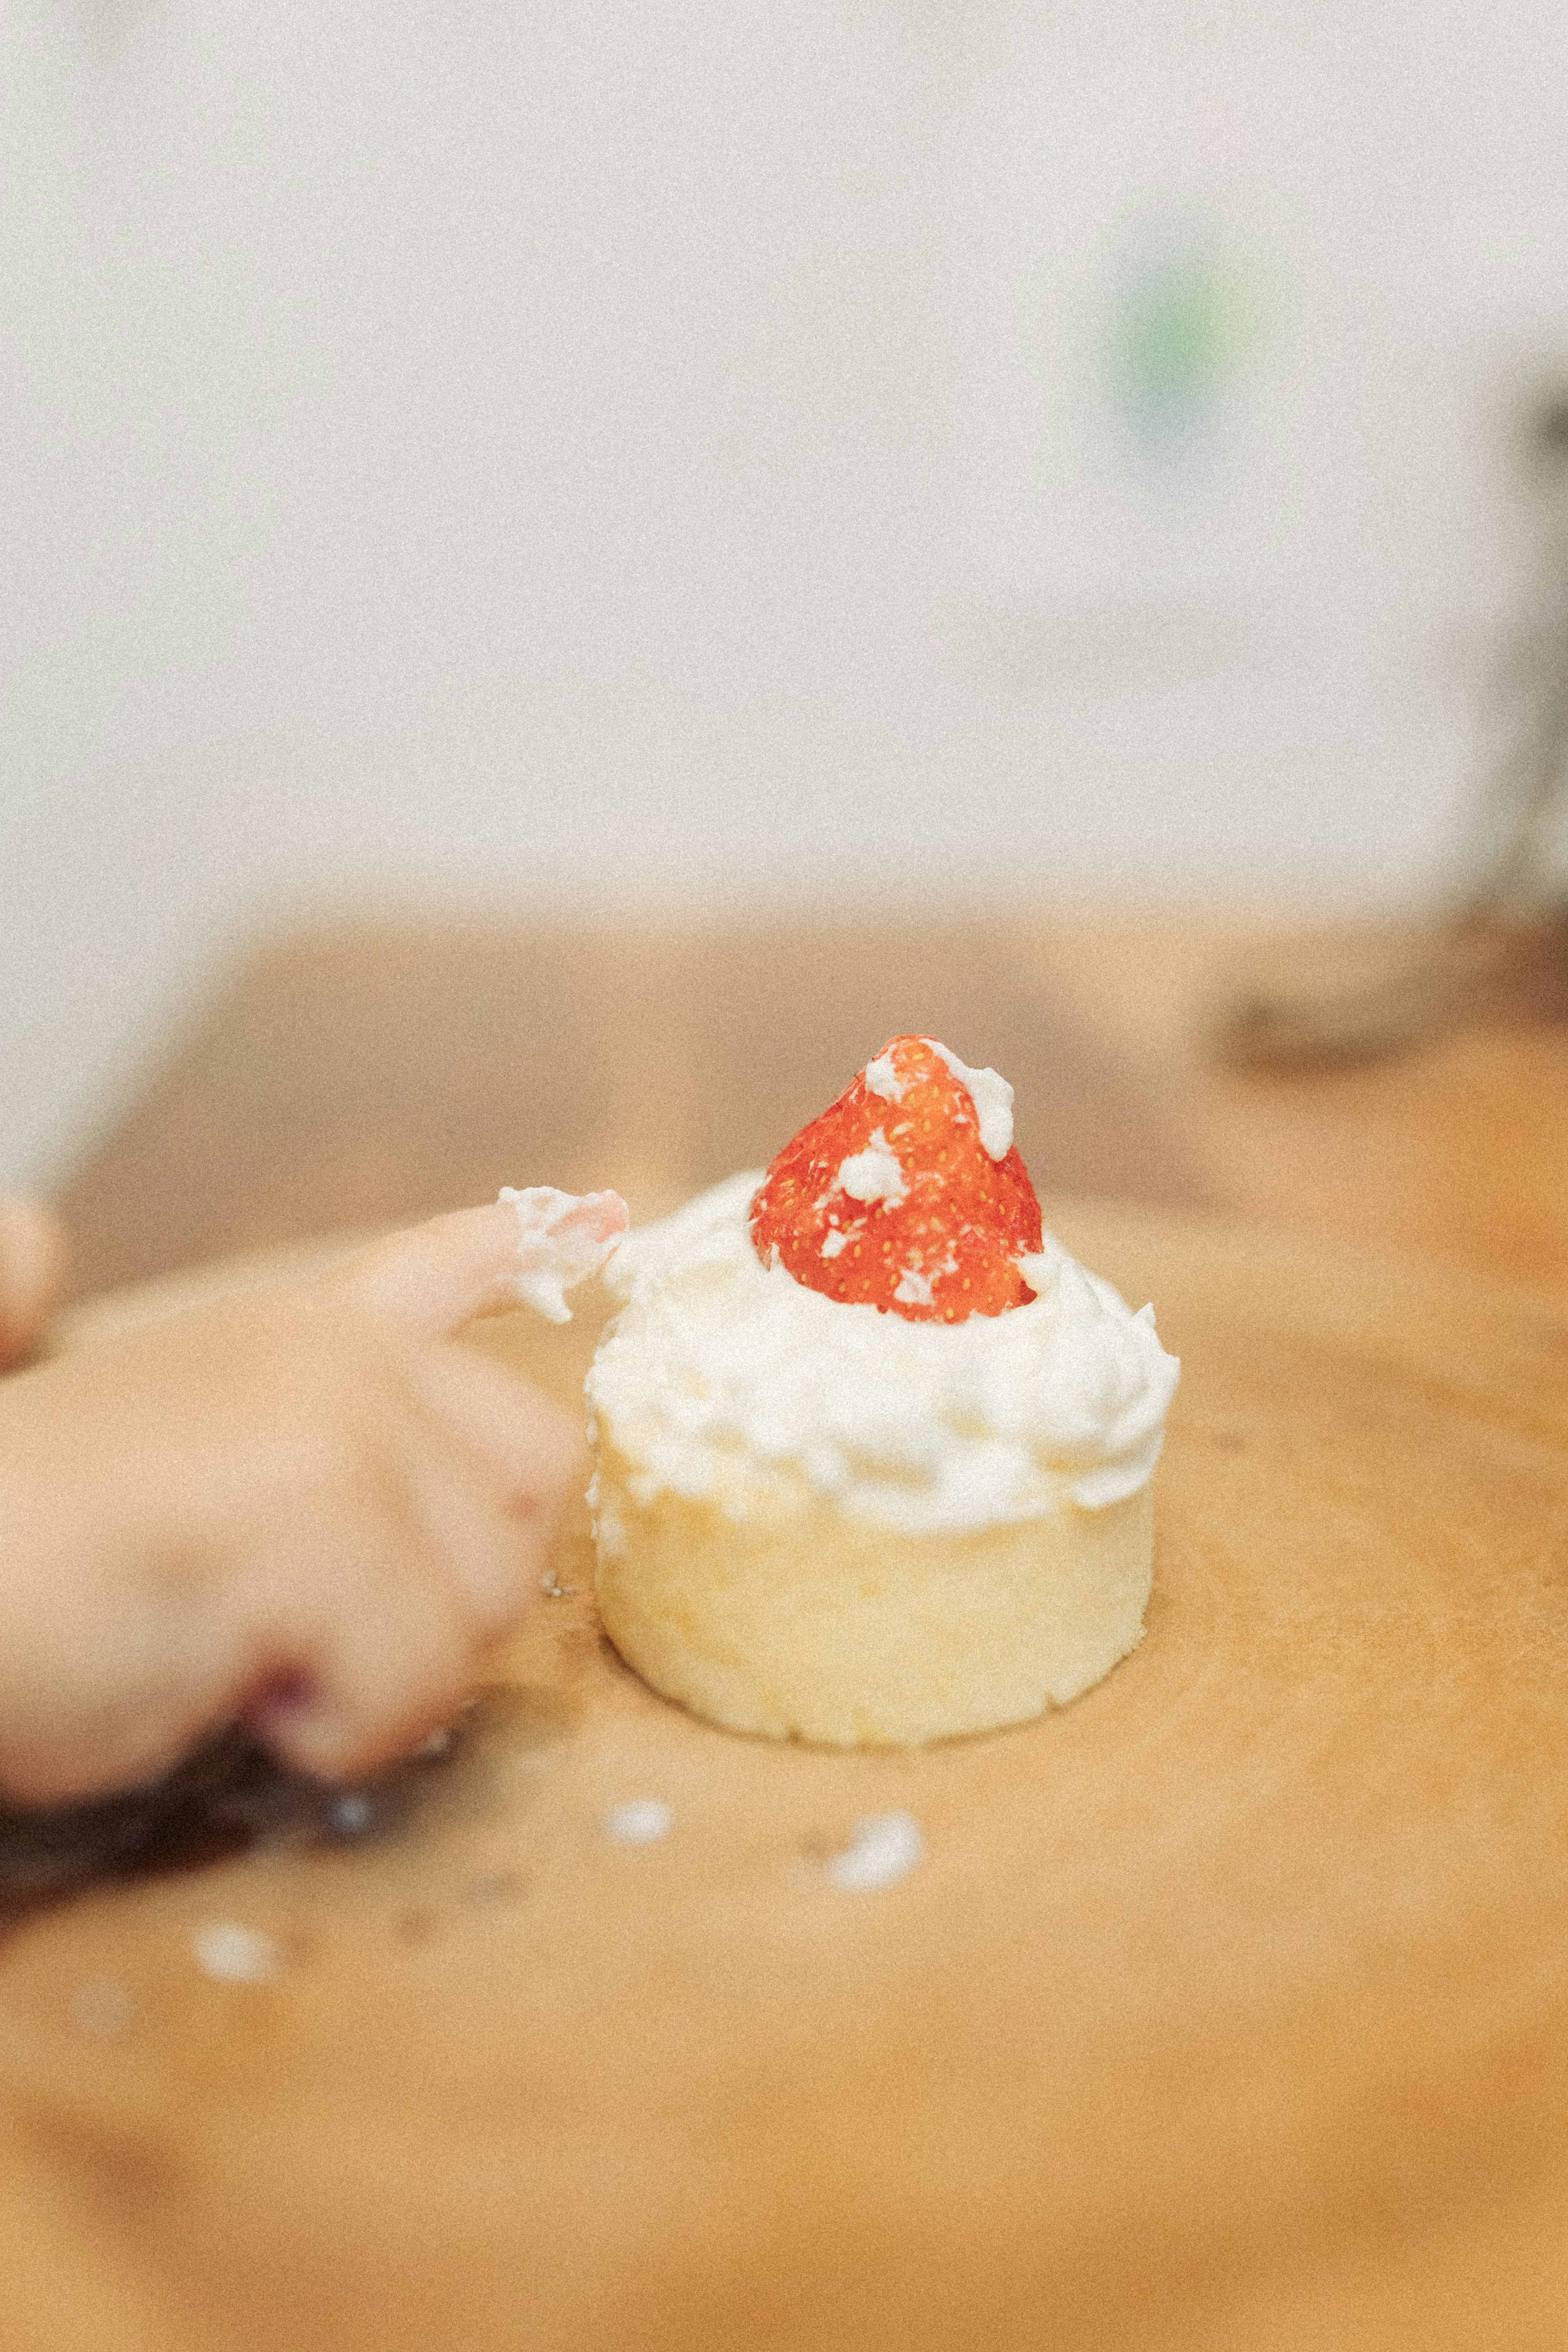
[642, 454]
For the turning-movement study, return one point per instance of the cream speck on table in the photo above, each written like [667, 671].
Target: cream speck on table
[1228, 2006]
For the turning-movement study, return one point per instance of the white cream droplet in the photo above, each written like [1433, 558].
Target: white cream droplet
[640, 1823]
[235, 1954]
[874, 1174]
[885, 1848]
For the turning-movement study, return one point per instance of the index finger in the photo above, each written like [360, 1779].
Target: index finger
[438, 1276]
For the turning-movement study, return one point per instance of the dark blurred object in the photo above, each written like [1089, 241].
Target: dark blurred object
[226, 1798]
[1476, 967]
[1500, 951]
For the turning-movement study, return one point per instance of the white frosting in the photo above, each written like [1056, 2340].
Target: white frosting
[992, 1098]
[724, 1380]
[562, 1239]
[874, 1174]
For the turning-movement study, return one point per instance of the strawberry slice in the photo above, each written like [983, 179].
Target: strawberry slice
[908, 1194]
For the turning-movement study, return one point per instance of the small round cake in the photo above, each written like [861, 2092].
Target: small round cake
[872, 1453]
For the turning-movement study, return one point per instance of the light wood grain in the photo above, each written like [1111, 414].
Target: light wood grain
[1228, 2007]
[379, 1072]
[371, 1074]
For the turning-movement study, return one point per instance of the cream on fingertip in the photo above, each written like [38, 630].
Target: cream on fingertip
[563, 1238]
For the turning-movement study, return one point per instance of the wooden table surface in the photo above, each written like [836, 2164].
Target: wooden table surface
[1229, 2007]
[354, 1077]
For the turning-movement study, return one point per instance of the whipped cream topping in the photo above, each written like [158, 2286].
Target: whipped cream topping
[727, 1380]
[562, 1239]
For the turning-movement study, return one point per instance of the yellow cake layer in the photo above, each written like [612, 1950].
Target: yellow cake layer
[802, 1620]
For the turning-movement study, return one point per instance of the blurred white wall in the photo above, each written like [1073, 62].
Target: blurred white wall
[640, 451]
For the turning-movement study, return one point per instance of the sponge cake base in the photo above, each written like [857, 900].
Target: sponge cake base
[802, 1621]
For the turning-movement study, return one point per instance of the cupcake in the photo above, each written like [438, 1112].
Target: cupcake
[873, 1453]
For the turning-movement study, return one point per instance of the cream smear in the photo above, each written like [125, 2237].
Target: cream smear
[992, 1098]
[562, 1239]
[882, 1078]
[724, 1380]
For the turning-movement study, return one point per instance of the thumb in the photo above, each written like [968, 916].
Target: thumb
[525, 1248]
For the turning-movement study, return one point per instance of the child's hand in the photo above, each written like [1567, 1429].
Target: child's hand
[305, 1507]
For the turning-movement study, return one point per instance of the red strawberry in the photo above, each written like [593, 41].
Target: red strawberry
[890, 1198]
